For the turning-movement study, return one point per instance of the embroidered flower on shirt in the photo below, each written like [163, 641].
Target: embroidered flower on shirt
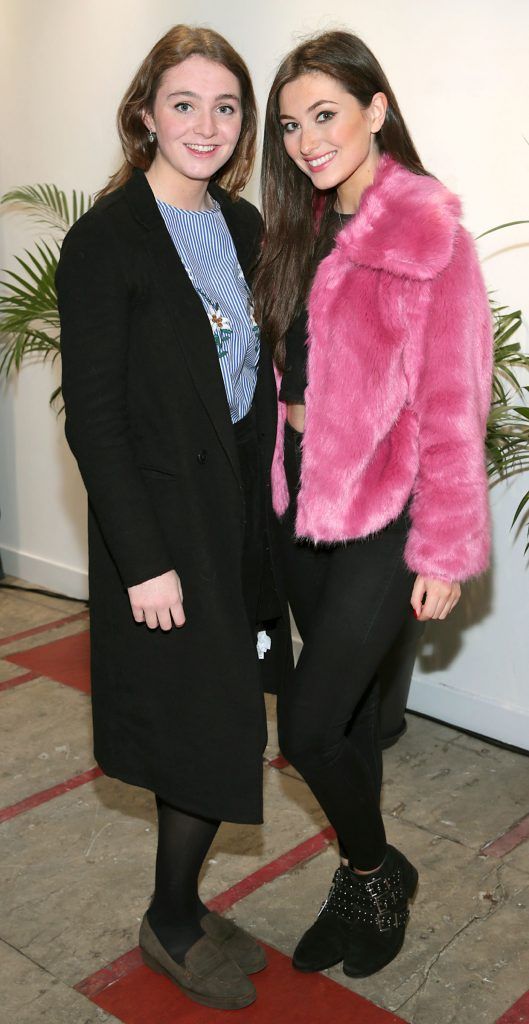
[221, 327]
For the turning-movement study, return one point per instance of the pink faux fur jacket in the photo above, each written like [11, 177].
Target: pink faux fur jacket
[399, 381]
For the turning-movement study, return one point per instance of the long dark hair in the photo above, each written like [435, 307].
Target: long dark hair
[295, 213]
[174, 47]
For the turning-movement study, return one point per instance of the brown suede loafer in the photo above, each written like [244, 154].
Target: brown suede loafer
[208, 975]
[234, 941]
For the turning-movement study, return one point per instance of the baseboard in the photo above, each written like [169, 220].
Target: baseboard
[508, 724]
[51, 575]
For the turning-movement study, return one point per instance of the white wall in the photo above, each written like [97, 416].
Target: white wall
[461, 73]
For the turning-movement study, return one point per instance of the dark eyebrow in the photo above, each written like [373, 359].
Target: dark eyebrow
[183, 92]
[312, 107]
[195, 96]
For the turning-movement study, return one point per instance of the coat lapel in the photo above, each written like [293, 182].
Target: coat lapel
[186, 312]
[406, 224]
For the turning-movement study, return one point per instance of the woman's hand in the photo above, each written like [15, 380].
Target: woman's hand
[439, 598]
[158, 602]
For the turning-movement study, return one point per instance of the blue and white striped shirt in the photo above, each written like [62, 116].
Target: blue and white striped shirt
[206, 248]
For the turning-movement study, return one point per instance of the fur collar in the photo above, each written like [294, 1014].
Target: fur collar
[405, 224]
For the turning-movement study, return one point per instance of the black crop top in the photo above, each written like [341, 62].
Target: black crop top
[294, 379]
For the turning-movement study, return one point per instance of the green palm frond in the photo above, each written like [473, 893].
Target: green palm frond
[508, 357]
[519, 510]
[29, 319]
[507, 437]
[500, 227]
[49, 205]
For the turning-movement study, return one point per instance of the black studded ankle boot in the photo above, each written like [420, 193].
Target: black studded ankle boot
[362, 921]
[325, 942]
[382, 902]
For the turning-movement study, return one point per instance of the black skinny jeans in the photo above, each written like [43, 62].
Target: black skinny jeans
[349, 603]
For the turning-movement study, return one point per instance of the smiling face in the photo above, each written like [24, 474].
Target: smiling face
[197, 117]
[329, 135]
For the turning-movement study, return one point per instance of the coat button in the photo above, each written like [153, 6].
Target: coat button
[202, 457]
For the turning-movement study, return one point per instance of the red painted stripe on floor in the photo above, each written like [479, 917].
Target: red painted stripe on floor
[67, 660]
[36, 799]
[518, 1014]
[268, 872]
[118, 969]
[42, 629]
[516, 835]
[278, 762]
[26, 677]
[283, 994]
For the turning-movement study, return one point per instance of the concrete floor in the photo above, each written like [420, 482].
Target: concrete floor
[78, 851]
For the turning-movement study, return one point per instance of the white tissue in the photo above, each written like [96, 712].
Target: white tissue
[264, 644]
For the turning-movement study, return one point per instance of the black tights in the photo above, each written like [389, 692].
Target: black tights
[349, 603]
[184, 839]
[176, 908]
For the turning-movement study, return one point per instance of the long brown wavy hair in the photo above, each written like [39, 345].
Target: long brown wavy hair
[174, 47]
[296, 214]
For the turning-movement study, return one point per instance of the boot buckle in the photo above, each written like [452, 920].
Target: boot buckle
[391, 919]
[386, 921]
[378, 886]
[384, 902]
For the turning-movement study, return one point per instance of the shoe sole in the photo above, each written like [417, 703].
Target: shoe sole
[253, 970]
[197, 997]
[315, 970]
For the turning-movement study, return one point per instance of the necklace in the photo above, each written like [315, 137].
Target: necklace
[344, 218]
[340, 215]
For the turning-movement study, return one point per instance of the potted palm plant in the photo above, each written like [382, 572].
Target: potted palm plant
[29, 319]
[29, 327]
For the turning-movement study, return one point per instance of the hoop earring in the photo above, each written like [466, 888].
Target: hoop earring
[151, 135]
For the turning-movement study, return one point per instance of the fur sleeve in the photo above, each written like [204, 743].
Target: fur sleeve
[450, 534]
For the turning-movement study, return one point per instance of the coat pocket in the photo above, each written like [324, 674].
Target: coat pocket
[162, 474]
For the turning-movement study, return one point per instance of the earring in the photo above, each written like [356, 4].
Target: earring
[151, 135]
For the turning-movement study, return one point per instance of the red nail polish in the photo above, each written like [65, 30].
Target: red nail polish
[415, 613]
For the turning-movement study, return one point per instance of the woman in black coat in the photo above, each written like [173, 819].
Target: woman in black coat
[170, 412]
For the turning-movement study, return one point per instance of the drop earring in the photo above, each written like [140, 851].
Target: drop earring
[151, 135]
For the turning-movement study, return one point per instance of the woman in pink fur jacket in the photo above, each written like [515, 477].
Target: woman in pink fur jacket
[373, 301]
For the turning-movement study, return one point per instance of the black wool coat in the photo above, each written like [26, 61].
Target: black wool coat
[182, 712]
